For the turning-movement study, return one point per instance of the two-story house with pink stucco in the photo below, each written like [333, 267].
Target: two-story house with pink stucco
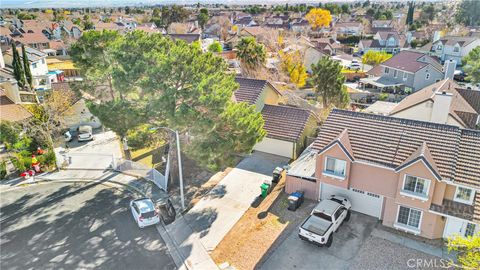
[418, 177]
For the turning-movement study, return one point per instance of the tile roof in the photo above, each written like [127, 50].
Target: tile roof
[407, 60]
[390, 141]
[456, 209]
[460, 108]
[285, 122]
[249, 90]
[31, 38]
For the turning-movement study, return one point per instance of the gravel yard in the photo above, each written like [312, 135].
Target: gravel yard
[378, 253]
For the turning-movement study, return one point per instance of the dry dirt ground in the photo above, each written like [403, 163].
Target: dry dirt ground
[263, 227]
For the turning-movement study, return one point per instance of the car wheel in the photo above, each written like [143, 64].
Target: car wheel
[329, 241]
[347, 218]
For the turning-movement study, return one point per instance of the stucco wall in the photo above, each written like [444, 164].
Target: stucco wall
[418, 169]
[374, 179]
[335, 152]
[309, 187]
[450, 192]
[271, 96]
[276, 147]
[431, 226]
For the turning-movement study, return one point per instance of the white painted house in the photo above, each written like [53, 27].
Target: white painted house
[454, 48]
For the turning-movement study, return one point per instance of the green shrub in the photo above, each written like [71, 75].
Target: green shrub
[3, 169]
[383, 96]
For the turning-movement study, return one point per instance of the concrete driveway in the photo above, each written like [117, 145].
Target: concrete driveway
[215, 214]
[358, 244]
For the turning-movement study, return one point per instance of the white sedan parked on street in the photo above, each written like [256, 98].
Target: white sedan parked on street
[144, 212]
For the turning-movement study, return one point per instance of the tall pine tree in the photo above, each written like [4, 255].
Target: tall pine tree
[17, 67]
[411, 9]
[26, 67]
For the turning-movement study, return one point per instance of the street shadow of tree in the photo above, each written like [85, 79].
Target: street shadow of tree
[201, 221]
[97, 233]
[219, 191]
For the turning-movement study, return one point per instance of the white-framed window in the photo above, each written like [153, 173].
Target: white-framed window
[335, 167]
[34, 65]
[439, 47]
[464, 195]
[387, 70]
[395, 73]
[456, 49]
[415, 187]
[405, 76]
[427, 76]
[409, 218]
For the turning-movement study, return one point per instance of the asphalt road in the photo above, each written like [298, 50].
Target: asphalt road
[75, 226]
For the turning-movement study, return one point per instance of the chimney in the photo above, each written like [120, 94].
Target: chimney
[441, 107]
[2, 61]
[436, 36]
[449, 69]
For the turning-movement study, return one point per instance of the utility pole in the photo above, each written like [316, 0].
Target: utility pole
[180, 173]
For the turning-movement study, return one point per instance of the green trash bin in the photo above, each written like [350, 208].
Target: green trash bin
[264, 188]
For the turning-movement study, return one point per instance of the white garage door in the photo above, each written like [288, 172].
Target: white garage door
[362, 201]
[276, 147]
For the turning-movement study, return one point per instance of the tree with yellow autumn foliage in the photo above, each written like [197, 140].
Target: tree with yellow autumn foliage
[318, 18]
[467, 251]
[291, 63]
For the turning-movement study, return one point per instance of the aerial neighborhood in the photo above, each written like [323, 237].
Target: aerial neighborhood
[335, 135]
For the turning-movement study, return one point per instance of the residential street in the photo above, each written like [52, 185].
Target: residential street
[72, 226]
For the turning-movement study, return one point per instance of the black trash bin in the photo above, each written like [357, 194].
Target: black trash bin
[277, 174]
[295, 200]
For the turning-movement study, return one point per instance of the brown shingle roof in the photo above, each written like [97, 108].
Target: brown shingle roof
[390, 141]
[249, 90]
[406, 60]
[285, 122]
[460, 108]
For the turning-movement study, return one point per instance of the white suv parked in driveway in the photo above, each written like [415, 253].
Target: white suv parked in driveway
[324, 220]
[144, 212]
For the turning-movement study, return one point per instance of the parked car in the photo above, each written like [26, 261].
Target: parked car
[144, 212]
[324, 220]
[85, 133]
[354, 65]
[460, 76]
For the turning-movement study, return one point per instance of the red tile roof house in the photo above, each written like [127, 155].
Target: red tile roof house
[418, 177]
[287, 127]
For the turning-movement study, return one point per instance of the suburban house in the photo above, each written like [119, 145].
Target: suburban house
[382, 25]
[246, 21]
[312, 56]
[35, 40]
[454, 48]
[444, 102]
[42, 78]
[287, 127]
[409, 71]
[386, 41]
[300, 25]
[418, 177]
[349, 28]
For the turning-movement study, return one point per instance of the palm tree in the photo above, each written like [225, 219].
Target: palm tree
[251, 54]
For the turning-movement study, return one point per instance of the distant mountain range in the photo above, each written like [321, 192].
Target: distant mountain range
[116, 3]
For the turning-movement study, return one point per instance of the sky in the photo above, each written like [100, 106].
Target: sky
[113, 3]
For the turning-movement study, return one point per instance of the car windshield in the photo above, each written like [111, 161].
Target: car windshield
[323, 216]
[316, 225]
[337, 200]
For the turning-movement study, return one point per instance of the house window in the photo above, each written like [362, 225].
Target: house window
[34, 65]
[470, 230]
[439, 47]
[456, 49]
[409, 217]
[427, 76]
[395, 73]
[387, 70]
[415, 186]
[464, 195]
[335, 167]
[405, 76]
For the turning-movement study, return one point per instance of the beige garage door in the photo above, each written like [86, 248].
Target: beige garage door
[276, 147]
